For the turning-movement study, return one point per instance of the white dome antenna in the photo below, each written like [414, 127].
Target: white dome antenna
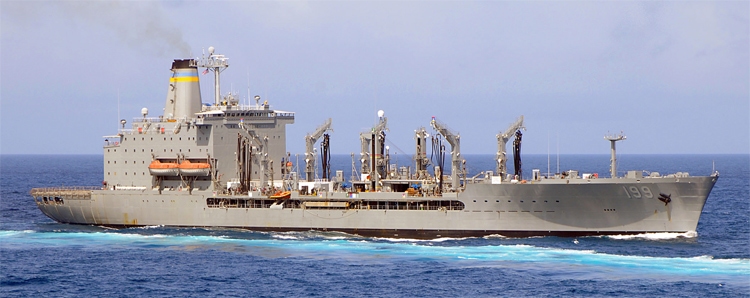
[381, 113]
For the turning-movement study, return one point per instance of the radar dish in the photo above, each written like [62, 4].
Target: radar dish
[381, 113]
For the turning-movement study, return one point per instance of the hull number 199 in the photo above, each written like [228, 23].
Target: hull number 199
[634, 192]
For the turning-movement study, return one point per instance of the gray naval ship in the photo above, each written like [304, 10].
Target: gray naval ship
[225, 165]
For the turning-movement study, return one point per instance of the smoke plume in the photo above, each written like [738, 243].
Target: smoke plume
[143, 25]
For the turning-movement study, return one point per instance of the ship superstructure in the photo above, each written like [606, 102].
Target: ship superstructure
[195, 145]
[225, 164]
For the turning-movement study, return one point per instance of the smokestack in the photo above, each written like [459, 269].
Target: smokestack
[184, 94]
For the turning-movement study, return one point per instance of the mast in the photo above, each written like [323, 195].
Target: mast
[613, 139]
[216, 63]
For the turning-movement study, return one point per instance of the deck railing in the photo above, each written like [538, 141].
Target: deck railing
[67, 192]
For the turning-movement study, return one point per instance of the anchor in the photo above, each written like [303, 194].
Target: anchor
[665, 198]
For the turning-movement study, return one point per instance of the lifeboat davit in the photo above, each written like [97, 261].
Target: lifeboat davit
[188, 168]
[158, 168]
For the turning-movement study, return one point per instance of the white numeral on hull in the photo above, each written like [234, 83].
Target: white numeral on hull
[634, 193]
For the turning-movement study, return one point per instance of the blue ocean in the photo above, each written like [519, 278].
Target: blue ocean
[39, 257]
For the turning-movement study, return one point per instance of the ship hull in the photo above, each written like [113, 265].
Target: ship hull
[546, 208]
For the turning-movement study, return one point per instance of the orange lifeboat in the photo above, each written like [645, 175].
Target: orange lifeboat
[281, 195]
[158, 168]
[188, 168]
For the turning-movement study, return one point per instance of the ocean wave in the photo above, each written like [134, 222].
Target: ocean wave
[327, 245]
[312, 235]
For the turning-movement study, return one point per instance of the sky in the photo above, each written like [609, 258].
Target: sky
[673, 76]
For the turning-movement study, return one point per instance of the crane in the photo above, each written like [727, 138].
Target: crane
[502, 140]
[261, 153]
[310, 141]
[420, 158]
[455, 141]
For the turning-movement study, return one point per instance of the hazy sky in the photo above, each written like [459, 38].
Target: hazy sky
[674, 76]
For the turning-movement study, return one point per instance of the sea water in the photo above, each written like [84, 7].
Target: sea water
[39, 257]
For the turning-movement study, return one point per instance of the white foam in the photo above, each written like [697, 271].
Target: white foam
[494, 236]
[335, 237]
[443, 239]
[311, 235]
[149, 227]
[13, 233]
[655, 236]
[286, 237]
